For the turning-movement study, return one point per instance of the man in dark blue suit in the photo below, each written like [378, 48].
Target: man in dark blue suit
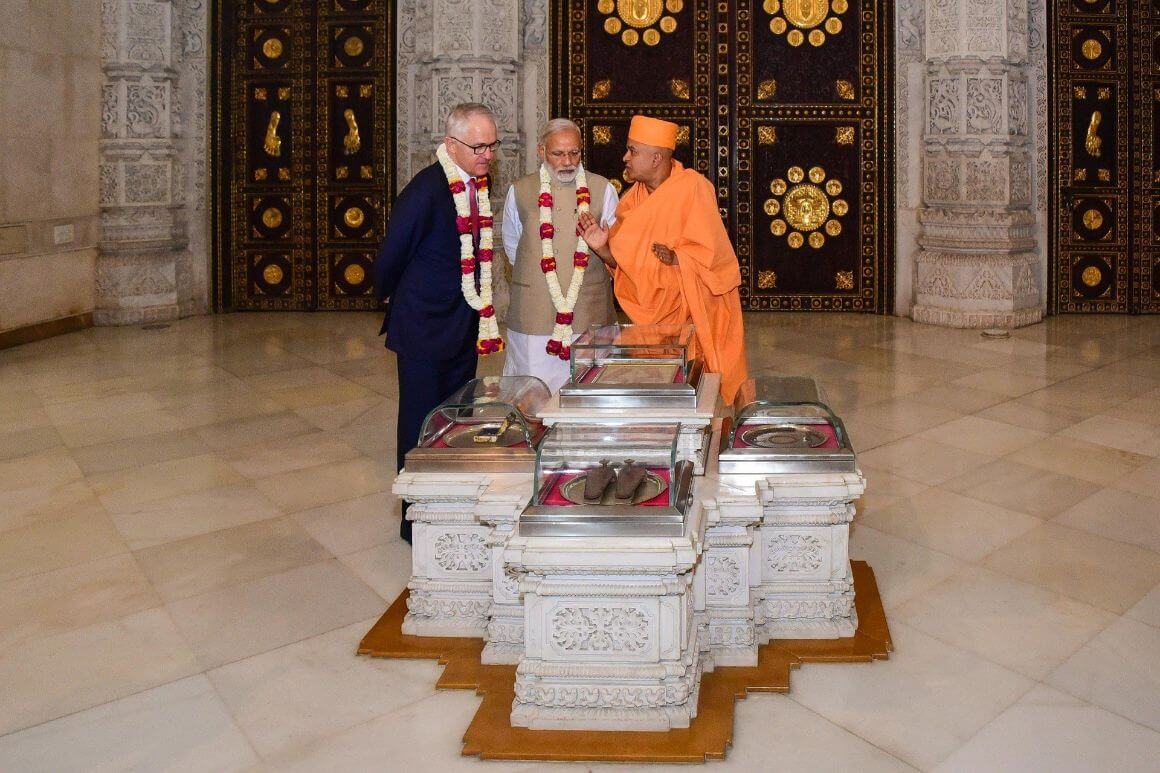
[428, 323]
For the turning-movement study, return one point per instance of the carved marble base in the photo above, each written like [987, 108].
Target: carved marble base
[461, 521]
[976, 290]
[801, 556]
[611, 639]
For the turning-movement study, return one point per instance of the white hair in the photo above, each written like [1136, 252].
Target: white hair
[558, 125]
[462, 113]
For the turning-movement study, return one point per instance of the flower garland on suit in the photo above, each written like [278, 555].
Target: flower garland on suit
[560, 342]
[488, 340]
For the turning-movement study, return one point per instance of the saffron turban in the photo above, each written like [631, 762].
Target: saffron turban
[653, 131]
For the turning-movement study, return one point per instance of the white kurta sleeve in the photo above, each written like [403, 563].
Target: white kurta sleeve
[512, 227]
[611, 200]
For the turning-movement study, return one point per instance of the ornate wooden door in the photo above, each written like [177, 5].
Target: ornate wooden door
[1105, 207]
[305, 156]
[784, 104]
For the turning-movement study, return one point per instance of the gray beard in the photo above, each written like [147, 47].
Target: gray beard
[564, 178]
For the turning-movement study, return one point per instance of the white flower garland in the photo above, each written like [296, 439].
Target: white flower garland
[488, 340]
[560, 342]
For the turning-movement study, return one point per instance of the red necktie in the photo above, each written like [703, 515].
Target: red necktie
[474, 211]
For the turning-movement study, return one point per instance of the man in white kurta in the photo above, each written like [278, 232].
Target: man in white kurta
[531, 315]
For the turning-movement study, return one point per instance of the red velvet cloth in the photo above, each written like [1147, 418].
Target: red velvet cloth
[537, 431]
[826, 429]
[555, 499]
[595, 370]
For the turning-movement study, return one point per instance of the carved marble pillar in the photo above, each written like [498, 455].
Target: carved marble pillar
[979, 263]
[145, 271]
[489, 51]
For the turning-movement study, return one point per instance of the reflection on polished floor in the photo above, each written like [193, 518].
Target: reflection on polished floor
[196, 530]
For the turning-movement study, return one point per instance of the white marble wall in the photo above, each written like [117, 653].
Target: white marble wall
[50, 82]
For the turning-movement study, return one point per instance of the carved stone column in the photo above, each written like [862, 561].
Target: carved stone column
[145, 271]
[978, 262]
[453, 51]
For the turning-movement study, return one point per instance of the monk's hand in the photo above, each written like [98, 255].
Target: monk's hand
[595, 236]
[664, 254]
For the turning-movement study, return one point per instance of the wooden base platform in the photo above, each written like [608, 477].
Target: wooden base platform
[491, 736]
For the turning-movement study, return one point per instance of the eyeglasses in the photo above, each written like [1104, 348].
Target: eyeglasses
[564, 154]
[478, 150]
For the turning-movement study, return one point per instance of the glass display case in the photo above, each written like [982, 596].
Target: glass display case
[787, 429]
[627, 366]
[617, 480]
[489, 425]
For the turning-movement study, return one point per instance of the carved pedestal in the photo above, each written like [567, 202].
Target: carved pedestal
[800, 557]
[723, 579]
[454, 551]
[611, 640]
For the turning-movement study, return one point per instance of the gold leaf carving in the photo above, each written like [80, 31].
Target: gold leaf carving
[845, 89]
[341, 172]
[1081, 174]
[630, 37]
[260, 174]
[272, 144]
[1091, 49]
[1104, 92]
[284, 93]
[795, 240]
[767, 89]
[602, 88]
[806, 207]
[272, 217]
[766, 280]
[602, 135]
[354, 274]
[1093, 219]
[260, 94]
[1092, 140]
[272, 274]
[805, 13]
[272, 48]
[1091, 276]
[844, 280]
[844, 135]
[1080, 92]
[283, 174]
[639, 13]
[682, 135]
[651, 37]
[366, 90]
[342, 91]
[353, 217]
[365, 172]
[353, 46]
[766, 135]
[1105, 175]
[679, 88]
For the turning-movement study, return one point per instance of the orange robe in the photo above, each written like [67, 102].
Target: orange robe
[702, 288]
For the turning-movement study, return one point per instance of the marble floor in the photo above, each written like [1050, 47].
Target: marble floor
[196, 529]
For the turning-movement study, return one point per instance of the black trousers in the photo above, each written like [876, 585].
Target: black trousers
[424, 385]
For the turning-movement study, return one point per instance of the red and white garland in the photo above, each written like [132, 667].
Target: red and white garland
[560, 342]
[489, 340]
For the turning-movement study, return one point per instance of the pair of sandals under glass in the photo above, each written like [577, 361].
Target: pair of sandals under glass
[628, 477]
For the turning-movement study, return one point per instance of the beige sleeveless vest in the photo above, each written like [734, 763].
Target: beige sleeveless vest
[531, 311]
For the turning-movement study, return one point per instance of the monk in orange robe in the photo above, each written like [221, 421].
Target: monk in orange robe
[669, 254]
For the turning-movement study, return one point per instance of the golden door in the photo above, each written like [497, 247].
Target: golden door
[305, 155]
[784, 104]
[1105, 173]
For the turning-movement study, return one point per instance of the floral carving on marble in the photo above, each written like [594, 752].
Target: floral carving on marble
[146, 109]
[723, 575]
[461, 552]
[794, 553]
[942, 179]
[943, 106]
[599, 629]
[984, 105]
